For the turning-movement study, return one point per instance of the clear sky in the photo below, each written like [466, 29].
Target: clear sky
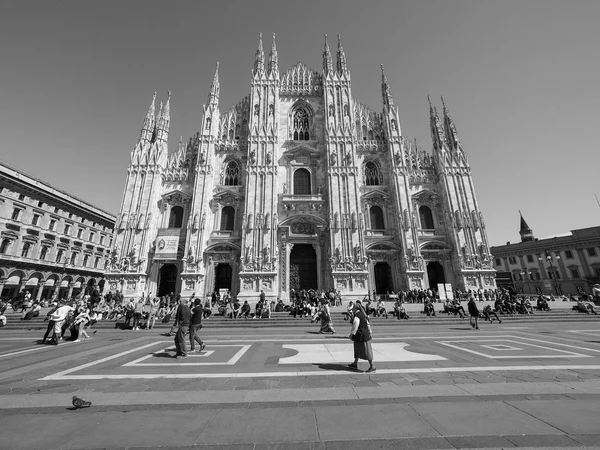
[521, 79]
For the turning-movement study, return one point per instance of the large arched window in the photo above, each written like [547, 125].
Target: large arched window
[372, 176]
[377, 222]
[426, 218]
[176, 217]
[227, 218]
[302, 182]
[301, 125]
[232, 174]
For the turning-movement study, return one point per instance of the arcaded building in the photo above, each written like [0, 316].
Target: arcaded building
[52, 244]
[299, 185]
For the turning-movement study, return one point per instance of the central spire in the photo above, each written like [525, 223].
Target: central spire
[341, 58]
[259, 60]
[450, 128]
[386, 91]
[164, 120]
[273, 59]
[215, 88]
[327, 60]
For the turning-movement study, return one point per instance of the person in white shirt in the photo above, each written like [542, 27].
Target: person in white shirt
[58, 317]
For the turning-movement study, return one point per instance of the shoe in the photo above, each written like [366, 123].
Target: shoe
[352, 366]
[370, 369]
[499, 321]
[477, 328]
[183, 355]
[77, 340]
[202, 347]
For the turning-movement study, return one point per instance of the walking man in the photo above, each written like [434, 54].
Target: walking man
[195, 326]
[473, 312]
[183, 319]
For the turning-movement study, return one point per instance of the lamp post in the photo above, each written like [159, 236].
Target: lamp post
[550, 258]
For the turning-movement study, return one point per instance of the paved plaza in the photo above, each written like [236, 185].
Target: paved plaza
[508, 385]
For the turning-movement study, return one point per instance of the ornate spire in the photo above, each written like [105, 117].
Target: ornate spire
[215, 88]
[148, 127]
[437, 133]
[450, 129]
[386, 91]
[341, 58]
[327, 60]
[273, 59]
[525, 232]
[164, 120]
[259, 60]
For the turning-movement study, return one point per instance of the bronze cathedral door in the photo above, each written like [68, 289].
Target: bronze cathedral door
[303, 267]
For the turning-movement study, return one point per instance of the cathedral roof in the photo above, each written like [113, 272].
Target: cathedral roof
[301, 79]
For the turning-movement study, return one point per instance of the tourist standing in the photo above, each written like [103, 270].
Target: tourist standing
[361, 336]
[183, 319]
[326, 326]
[473, 312]
[196, 325]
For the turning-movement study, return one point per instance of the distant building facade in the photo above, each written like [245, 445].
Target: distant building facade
[558, 265]
[297, 186]
[51, 243]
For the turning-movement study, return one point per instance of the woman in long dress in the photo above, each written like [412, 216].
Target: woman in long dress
[326, 326]
[361, 336]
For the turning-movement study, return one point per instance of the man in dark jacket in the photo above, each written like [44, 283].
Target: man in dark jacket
[473, 312]
[183, 318]
[195, 326]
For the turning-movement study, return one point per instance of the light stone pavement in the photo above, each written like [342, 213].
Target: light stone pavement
[518, 385]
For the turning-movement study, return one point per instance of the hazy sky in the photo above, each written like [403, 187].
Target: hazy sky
[521, 79]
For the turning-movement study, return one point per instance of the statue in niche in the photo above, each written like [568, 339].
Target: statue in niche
[346, 221]
[338, 254]
[361, 221]
[140, 222]
[201, 157]
[195, 223]
[271, 109]
[331, 110]
[250, 222]
[252, 157]
[274, 221]
[333, 158]
[256, 110]
[394, 125]
[267, 253]
[208, 123]
[320, 189]
[349, 158]
[353, 221]
[269, 158]
[398, 159]
[336, 221]
[284, 187]
[356, 251]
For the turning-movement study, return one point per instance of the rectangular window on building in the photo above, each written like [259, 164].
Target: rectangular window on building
[40, 204]
[538, 276]
[498, 262]
[59, 256]
[79, 233]
[70, 215]
[96, 262]
[591, 251]
[86, 259]
[529, 258]
[43, 253]
[25, 251]
[16, 213]
[52, 225]
[568, 254]
[67, 229]
[35, 220]
[557, 275]
[550, 275]
[574, 273]
[73, 259]
[512, 260]
[101, 240]
[56, 210]
[92, 236]
[21, 197]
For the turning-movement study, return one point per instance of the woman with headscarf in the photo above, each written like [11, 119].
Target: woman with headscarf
[326, 326]
[361, 336]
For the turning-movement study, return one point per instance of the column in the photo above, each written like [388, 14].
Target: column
[288, 251]
[38, 297]
[317, 248]
[70, 292]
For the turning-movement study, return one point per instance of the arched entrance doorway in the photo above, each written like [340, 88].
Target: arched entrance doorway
[223, 273]
[303, 267]
[435, 273]
[167, 280]
[383, 278]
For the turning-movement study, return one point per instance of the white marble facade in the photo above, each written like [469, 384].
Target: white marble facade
[298, 185]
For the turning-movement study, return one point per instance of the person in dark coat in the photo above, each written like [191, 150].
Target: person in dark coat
[183, 318]
[361, 336]
[473, 312]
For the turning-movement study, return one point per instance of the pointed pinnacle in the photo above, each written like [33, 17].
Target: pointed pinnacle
[216, 76]
[260, 44]
[429, 100]
[326, 44]
[273, 46]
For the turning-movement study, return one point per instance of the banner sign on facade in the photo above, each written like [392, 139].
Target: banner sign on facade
[449, 291]
[442, 291]
[166, 245]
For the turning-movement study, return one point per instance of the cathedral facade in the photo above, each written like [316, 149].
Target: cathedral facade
[298, 186]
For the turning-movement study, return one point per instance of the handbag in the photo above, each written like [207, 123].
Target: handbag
[358, 336]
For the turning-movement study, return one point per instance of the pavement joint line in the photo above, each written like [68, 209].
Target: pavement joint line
[65, 375]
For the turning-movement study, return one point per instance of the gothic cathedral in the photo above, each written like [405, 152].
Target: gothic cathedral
[298, 186]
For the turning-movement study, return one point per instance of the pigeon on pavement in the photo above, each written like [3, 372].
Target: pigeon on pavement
[80, 403]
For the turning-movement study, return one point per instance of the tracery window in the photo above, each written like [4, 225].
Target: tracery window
[377, 222]
[302, 182]
[301, 124]
[372, 175]
[232, 174]
[426, 218]
[227, 218]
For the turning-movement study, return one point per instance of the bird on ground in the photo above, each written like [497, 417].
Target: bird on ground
[80, 403]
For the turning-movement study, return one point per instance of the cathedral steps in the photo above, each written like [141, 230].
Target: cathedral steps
[284, 319]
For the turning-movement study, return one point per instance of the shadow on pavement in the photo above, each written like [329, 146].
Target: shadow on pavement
[337, 367]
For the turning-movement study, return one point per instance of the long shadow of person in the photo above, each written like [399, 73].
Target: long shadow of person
[336, 367]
